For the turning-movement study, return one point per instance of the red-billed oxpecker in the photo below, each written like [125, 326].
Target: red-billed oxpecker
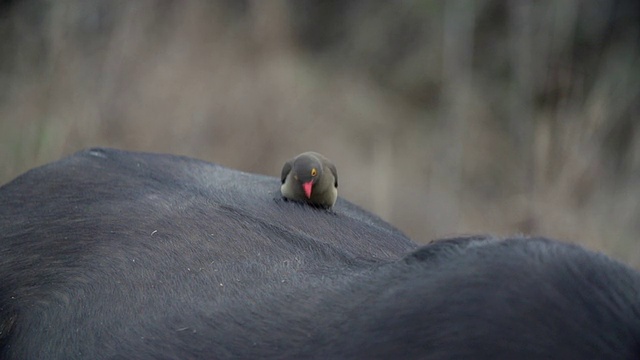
[311, 178]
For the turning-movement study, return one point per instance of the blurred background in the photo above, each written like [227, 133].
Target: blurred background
[443, 117]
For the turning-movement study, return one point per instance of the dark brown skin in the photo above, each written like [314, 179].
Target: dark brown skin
[311, 178]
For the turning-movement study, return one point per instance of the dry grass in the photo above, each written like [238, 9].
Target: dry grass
[193, 78]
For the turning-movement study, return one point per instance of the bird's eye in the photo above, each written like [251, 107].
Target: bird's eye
[314, 172]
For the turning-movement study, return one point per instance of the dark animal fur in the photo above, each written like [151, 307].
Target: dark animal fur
[113, 254]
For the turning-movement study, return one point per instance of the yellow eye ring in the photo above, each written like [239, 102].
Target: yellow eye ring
[314, 172]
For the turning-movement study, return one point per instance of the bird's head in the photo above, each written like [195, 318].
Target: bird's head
[307, 170]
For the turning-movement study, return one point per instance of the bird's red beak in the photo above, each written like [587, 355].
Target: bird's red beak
[307, 188]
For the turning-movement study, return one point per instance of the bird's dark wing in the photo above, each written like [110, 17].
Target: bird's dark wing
[334, 172]
[286, 169]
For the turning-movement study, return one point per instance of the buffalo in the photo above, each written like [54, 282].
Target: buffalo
[109, 254]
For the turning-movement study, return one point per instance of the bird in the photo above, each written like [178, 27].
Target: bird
[311, 178]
